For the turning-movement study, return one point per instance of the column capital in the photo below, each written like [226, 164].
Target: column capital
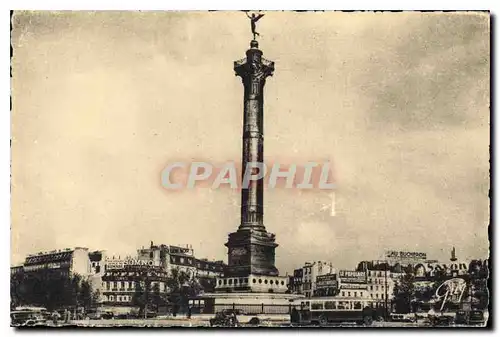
[254, 66]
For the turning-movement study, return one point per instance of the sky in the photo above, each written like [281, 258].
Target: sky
[397, 102]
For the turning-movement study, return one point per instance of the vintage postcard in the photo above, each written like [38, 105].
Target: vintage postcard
[142, 195]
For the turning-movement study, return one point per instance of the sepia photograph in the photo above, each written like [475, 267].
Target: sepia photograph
[141, 195]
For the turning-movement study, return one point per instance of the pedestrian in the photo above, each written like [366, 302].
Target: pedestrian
[55, 316]
[189, 312]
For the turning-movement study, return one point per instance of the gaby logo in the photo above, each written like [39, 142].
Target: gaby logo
[451, 291]
[310, 175]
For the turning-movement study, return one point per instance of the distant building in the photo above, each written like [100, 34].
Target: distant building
[120, 280]
[304, 281]
[353, 284]
[154, 264]
[182, 258]
[16, 269]
[381, 284]
[295, 282]
[115, 279]
[65, 262]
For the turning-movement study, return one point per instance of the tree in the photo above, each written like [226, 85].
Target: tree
[141, 294]
[86, 297]
[51, 289]
[404, 293]
[181, 287]
[157, 299]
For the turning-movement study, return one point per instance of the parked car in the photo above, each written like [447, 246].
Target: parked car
[403, 317]
[94, 315]
[441, 320]
[477, 317]
[29, 317]
[224, 318]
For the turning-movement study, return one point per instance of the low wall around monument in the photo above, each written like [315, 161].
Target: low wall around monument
[257, 283]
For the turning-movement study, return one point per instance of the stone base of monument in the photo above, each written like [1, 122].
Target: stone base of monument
[245, 303]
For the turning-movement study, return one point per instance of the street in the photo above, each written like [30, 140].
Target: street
[197, 322]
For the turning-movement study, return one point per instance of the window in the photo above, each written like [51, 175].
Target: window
[230, 281]
[114, 284]
[254, 281]
[220, 282]
[343, 305]
[357, 305]
[355, 294]
[151, 255]
[282, 283]
[235, 281]
[271, 282]
[246, 280]
[343, 293]
[317, 305]
[330, 305]
[349, 294]
[123, 284]
[225, 282]
[111, 298]
[265, 281]
[376, 295]
[260, 280]
[371, 287]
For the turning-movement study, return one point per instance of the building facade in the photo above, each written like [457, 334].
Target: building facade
[121, 280]
[65, 262]
[353, 284]
[304, 280]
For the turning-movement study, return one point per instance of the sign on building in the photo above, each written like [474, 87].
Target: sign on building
[405, 256]
[349, 276]
[121, 264]
[354, 286]
[451, 269]
[326, 281]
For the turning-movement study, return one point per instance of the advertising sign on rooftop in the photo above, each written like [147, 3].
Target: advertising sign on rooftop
[324, 281]
[350, 276]
[405, 256]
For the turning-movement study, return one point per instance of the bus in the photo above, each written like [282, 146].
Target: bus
[324, 310]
